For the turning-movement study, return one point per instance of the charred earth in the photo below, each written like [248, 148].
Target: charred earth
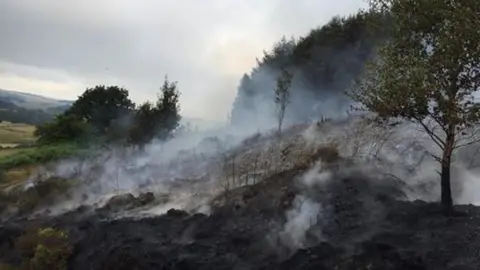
[346, 222]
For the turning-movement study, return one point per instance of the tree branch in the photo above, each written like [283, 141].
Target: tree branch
[470, 140]
[470, 165]
[437, 120]
[434, 156]
[466, 144]
[437, 140]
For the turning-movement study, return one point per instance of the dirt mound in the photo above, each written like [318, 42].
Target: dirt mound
[128, 201]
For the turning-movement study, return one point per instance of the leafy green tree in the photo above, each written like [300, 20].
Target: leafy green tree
[428, 73]
[159, 120]
[145, 124]
[100, 105]
[168, 109]
[63, 128]
[280, 55]
[119, 129]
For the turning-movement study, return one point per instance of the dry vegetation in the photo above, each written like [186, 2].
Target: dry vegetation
[260, 157]
[42, 249]
[14, 134]
[16, 199]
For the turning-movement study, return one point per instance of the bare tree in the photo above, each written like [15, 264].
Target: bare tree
[282, 95]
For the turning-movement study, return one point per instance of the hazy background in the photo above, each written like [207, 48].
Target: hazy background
[57, 48]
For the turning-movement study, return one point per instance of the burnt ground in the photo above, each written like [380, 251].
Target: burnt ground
[363, 225]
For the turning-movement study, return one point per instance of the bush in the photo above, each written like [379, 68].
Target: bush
[43, 249]
[52, 250]
[63, 128]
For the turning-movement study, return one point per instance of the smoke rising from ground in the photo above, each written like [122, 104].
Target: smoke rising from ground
[378, 162]
[382, 163]
[194, 162]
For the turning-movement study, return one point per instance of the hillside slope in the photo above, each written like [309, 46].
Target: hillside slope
[18, 107]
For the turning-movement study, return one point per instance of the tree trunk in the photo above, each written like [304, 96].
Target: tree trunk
[447, 202]
[280, 122]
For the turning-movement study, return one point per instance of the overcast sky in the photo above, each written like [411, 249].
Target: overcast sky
[57, 48]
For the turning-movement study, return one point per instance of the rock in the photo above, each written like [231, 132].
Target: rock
[121, 202]
[176, 213]
[146, 198]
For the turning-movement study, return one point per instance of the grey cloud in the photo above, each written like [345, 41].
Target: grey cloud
[137, 42]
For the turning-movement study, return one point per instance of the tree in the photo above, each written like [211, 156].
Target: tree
[168, 109]
[159, 120]
[325, 61]
[62, 128]
[428, 73]
[102, 104]
[144, 127]
[282, 96]
[245, 100]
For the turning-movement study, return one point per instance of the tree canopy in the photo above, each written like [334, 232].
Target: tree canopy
[101, 105]
[428, 72]
[157, 120]
[109, 114]
[323, 63]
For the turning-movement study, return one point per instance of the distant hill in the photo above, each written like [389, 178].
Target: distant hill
[32, 101]
[19, 107]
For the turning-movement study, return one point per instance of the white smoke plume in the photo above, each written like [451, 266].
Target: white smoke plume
[190, 169]
[395, 159]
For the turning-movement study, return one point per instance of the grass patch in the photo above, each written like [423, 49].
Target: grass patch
[40, 154]
[12, 134]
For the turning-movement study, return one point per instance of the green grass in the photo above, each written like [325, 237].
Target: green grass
[39, 154]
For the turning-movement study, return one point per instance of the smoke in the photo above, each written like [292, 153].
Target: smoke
[192, 168]
[300, 218]
[380, 163]
[378, 160]
[254, 109]
[184, 168]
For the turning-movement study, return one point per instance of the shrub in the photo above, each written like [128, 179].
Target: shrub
[327, 153]
[63, 128]
[43, 249]
[52, 250]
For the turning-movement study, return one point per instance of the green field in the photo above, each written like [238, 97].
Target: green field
[19, 156]
[14, 134]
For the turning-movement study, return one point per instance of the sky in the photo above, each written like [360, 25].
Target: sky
[57, 48]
